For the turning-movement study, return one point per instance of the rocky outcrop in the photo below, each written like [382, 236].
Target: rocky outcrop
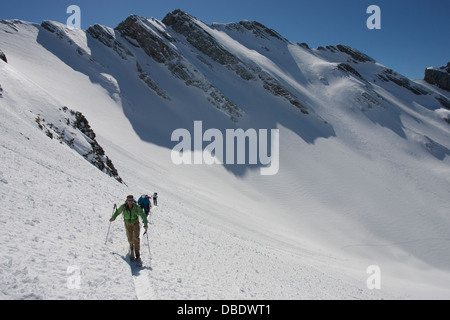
[275, 88]
[255, 27]
[73, 130]
[390, 75]
[443, 101]
[157, 45]
[348, 68]
[134, 30]
[185, 25]
[107, 37]
[62, 32]
[144, 76]
[200, 39]
[3, 56]
[439, 76]
[356, 55]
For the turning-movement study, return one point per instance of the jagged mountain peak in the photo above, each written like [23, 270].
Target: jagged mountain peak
[354, 53]
[177, 15]
[254, 27]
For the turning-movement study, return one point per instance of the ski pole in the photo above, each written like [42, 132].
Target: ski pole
[148, 244]
[114, 210]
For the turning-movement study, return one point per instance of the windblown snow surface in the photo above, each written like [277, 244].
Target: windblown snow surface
[356, 187]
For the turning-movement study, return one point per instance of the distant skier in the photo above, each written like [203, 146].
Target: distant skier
[145, 203]
[155, 199]
[131, 212]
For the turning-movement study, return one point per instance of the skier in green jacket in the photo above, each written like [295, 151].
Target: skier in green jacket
[131, 212]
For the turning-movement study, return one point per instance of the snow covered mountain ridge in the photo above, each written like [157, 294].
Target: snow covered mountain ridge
[187, 48]
[168, 42]
[363, 173]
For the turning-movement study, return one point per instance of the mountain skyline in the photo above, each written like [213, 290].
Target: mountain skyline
[409, 41]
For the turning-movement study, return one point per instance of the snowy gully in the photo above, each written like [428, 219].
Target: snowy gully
[213, 153]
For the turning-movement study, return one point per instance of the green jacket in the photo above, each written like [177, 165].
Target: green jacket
[131, 216]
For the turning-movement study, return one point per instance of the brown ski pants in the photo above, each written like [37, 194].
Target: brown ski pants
[133, 231]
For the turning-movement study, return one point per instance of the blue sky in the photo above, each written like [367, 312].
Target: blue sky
[414, 34]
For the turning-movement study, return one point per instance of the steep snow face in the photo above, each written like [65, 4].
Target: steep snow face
[363, 175]
[51, 218]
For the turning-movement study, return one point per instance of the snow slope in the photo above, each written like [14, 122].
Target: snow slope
[363, 177]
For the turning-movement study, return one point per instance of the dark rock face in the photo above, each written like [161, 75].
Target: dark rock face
[256, 28]
[390, 75]
[138, 32]
[47, 25]
[275, 88]
[355, 54]
[196, 36]
[134, 31]
[260, 30]
[108, 39]
[439, 76]
[347, 67]
[62, 34]
[72, 128]
[3, 56]
[185, 25]
[145, 77]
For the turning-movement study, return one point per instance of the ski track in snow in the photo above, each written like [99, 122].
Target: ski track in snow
[212, 264]
[142, 275]
[143, 284]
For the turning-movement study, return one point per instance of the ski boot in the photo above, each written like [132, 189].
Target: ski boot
[138, 259]
[132, 257]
